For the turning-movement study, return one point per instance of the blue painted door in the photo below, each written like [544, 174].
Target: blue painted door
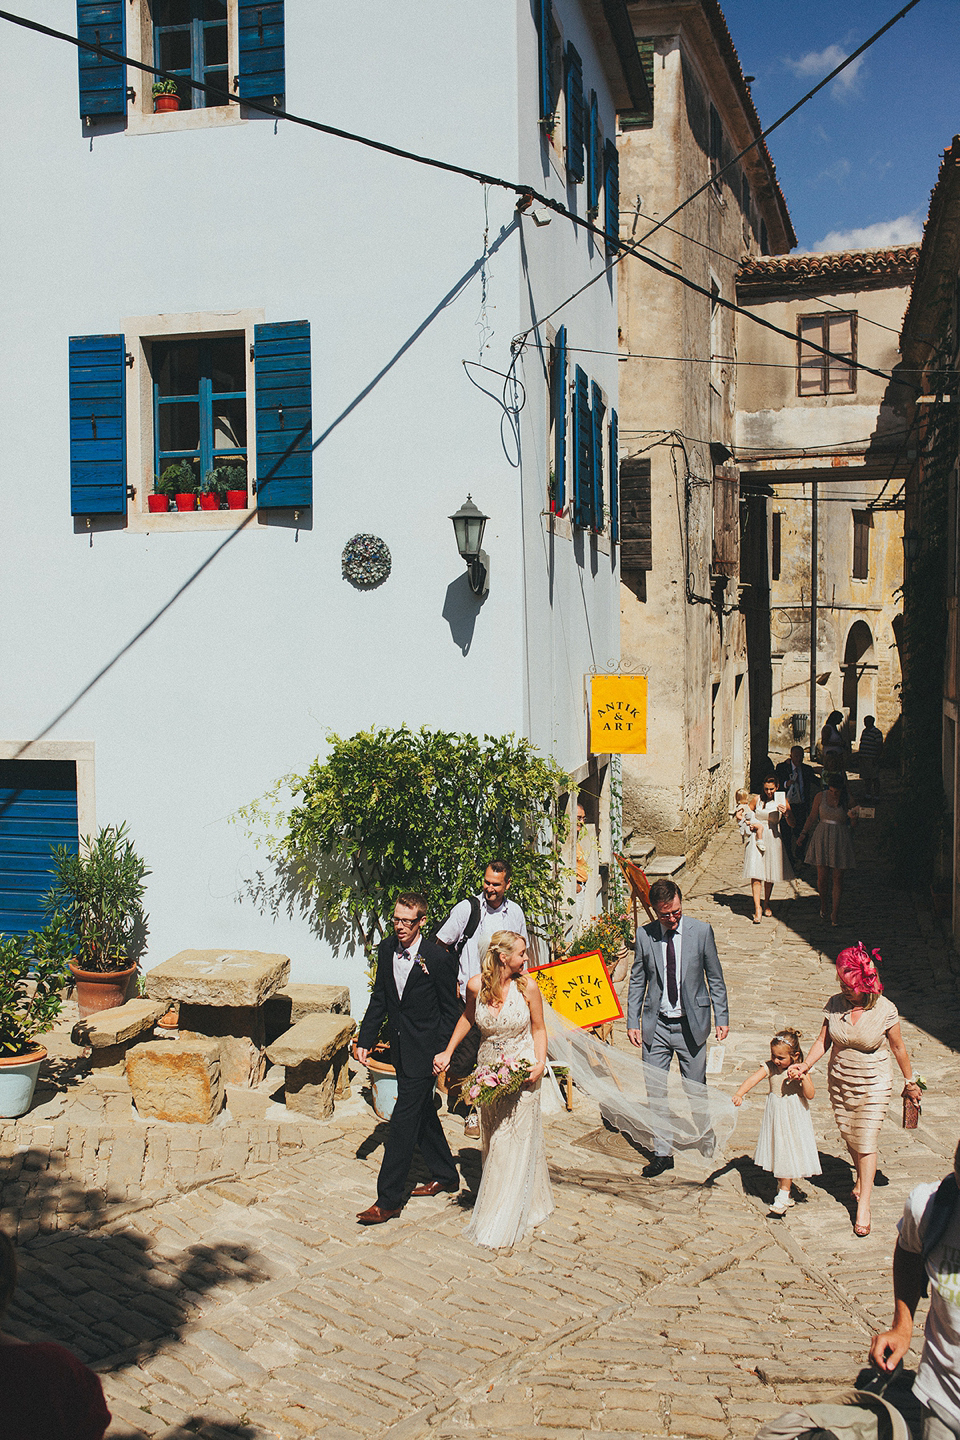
[38, 809]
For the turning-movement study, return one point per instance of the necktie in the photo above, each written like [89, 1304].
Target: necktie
[673, 993]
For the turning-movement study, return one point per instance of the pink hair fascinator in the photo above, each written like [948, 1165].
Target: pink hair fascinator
[857, 969]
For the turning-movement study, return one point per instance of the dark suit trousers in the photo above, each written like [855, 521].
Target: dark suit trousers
[414, 1122]
[791, 833]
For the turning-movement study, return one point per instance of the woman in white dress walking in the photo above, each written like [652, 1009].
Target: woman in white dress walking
[505, 1003]
[766, 862]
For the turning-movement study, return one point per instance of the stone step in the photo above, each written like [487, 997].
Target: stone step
[670, 865]
[640, 850]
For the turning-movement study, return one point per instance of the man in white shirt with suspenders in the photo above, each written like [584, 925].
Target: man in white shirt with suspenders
[467, 931]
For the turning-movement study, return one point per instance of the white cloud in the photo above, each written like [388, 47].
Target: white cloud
[905, 230]
[818, 63]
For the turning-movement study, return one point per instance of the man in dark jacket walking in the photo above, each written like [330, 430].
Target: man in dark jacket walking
[415, 990]
[800, 783]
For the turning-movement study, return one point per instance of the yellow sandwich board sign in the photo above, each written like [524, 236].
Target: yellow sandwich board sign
[618, 715]
[579, 989]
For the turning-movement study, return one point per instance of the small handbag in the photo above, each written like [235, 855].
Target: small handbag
[911, 1113]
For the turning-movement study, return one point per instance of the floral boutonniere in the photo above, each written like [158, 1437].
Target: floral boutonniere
[421, 964]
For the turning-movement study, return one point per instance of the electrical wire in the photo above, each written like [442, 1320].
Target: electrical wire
[728, 360]
[279, 113]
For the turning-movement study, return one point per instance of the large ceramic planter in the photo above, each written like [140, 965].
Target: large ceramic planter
[100, 989]
[383, 1084]
[18, 1080]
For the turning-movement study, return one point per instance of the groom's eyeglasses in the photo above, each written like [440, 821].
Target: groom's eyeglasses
[408, 924]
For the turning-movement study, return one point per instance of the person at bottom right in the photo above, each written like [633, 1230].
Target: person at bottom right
[917, 1263]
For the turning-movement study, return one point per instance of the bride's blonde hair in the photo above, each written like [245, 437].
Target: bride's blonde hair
[501, 943]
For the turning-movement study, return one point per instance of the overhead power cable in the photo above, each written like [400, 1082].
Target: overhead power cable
[279, 113]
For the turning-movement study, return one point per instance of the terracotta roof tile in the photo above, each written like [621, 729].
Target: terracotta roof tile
[844, 269]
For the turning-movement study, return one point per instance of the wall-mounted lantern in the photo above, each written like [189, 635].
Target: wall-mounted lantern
[468, 526]
[911, 546]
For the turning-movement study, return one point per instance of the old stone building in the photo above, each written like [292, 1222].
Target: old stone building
[822, 448]
[681, 621]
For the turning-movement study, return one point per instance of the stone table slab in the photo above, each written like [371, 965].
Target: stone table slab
[219, 977]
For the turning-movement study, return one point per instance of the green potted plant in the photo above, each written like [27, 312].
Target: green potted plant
[97, 891]
[180, 481]
[211, 492]
[164, 490]
[233, 478]
[165, 96]
[33, 973]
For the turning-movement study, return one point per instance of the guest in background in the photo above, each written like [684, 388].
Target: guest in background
[831, 819]
[833, 743]
[869, 752]
[799, 782]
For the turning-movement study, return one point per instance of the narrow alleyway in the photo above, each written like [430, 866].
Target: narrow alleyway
[252, 1305]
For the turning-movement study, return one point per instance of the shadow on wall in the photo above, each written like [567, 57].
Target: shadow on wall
[460, 610]
[107, 1296]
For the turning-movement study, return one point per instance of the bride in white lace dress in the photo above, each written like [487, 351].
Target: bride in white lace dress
[504, 1001]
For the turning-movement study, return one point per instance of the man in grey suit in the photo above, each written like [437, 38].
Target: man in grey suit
[675, 976]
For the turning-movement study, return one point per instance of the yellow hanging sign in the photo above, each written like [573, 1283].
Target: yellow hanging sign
[579, 989]
[618, 715]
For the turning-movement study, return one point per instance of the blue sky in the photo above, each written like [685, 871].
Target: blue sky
[857, 163]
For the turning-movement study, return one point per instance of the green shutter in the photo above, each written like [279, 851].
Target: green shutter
[641, 119]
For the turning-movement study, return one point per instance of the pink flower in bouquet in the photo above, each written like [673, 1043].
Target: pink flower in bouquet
[474, 1091]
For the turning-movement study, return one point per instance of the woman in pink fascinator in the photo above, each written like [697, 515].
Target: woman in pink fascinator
[858, 1027]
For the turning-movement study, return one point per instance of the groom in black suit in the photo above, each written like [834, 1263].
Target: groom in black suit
[415, 989]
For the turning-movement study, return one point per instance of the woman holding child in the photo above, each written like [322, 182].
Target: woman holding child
[765, 860]
[504, 1001]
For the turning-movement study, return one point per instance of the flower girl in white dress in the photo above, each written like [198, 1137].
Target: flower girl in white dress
[786, 1145]
[505, 1002]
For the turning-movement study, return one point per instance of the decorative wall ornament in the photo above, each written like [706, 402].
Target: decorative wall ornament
[366, 561]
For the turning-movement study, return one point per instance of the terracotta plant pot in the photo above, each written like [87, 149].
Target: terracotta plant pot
[158, 504]
[171, 1019]
[165, 102]
[100, 989]
[383, 1085]
[18, 1080]
[209, 502]
[186, 502]
[236, 499]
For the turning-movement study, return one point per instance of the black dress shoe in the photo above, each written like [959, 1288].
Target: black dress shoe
[657, 1165]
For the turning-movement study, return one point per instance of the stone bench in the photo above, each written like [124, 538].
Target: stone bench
[110, 1034]
[177, 1080]
[222, 996]
[314, 1054]
[293, 1002]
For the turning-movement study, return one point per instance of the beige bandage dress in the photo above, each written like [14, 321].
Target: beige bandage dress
[858, 1070]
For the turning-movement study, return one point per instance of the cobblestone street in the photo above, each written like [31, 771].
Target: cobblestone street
[216, 1277]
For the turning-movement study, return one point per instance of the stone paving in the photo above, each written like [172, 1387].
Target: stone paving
[217, 1280]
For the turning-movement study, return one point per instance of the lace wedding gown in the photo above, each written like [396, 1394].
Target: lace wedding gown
[514, 1192]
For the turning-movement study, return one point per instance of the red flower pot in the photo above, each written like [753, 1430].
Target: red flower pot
[237, 499]
[100, 989]
[158, 504]
[209, 502]
[165, 102]
[186, 502]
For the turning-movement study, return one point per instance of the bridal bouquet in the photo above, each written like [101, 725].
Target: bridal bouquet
[489, 1082]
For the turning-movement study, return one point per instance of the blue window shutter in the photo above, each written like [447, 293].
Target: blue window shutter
[284, 415]
[260, 24]
[594, 157]
[575, 115]
[103, 83]
[548, 97]
[98, 448]
[614, 478]
[559, 493]
[611, 197]
[582, 450]
[598, 410]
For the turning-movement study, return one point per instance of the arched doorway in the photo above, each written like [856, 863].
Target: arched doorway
[859, 674]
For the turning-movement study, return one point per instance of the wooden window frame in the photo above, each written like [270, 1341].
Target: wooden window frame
[862, 525]
[812, 362]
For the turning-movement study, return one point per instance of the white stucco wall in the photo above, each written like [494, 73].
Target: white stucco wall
[269, 649]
